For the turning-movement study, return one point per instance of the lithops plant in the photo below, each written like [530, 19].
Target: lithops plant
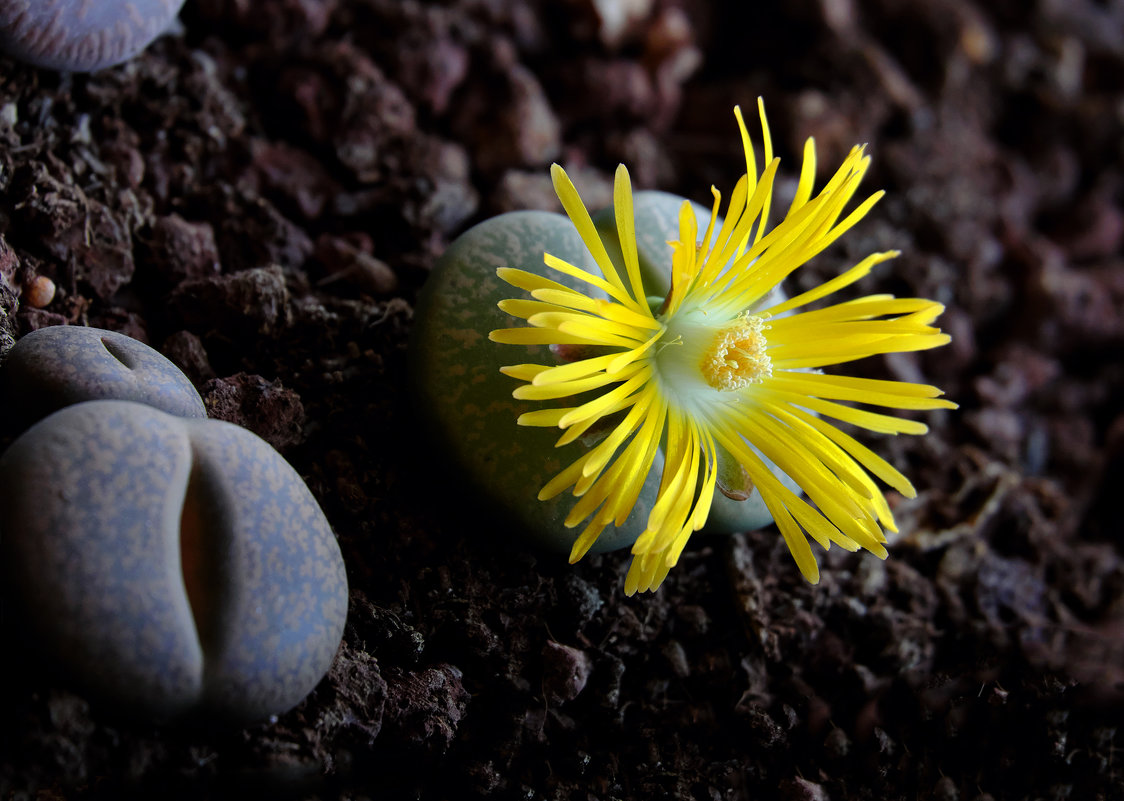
[699, 371]
[170, 567]
[62, 365]
[81, 35]
[467, 402]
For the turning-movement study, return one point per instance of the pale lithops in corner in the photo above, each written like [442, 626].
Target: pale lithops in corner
[81, 35]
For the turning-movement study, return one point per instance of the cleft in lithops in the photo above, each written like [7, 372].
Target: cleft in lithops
[119, 353]
[169, 567]
[61, 365]
[200, 558]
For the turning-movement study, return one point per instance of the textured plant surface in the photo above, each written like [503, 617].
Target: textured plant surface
[81, 36]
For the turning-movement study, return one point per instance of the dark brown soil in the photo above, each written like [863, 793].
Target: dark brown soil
[260, 196]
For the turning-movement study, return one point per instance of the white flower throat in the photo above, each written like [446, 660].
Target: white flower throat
[697, 356]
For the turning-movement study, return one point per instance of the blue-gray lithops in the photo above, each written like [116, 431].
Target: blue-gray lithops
[58, 366]
[81, 35]
[171, 567]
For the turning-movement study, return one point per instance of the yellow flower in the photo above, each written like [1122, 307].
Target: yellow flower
[716, 381]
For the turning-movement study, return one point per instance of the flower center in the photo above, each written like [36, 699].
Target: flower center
[737, 357]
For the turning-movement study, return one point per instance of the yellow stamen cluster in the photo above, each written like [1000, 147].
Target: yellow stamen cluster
[738, 356]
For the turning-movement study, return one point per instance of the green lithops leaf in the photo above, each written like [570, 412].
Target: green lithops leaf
[465, 398]
[733, 480]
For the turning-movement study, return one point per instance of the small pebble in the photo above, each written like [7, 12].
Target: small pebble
[837, 744]
[61, 365]
[945, 790]
[565, 672]
[800, 789]
[169, 567]
[79, 35]
[39, 292]
[180, 250]
[676, 657]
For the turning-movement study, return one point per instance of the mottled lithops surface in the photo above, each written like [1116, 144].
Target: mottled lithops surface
[55, 367]
[81, 35]
[170, 566]
[466, 402]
